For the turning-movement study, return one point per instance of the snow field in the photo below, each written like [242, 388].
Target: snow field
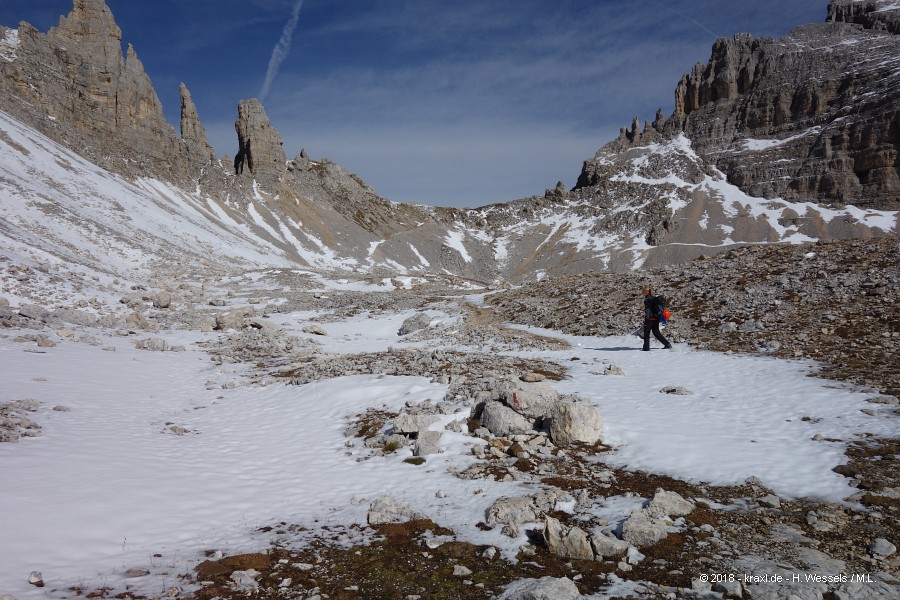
[109, 486]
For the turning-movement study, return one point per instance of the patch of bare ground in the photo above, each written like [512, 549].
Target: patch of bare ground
[398, 565]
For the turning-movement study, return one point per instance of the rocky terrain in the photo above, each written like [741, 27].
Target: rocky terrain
[830, 302]
[764, 210]
[682, 539]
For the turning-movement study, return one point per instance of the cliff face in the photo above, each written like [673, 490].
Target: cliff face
[74, 84]
[871, 14]
[813, 116]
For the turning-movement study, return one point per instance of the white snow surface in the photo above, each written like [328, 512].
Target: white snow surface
[455, 239]
[8, 45]
[108, 485]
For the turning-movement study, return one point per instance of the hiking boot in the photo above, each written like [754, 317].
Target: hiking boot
[667, 347]
[646, 349]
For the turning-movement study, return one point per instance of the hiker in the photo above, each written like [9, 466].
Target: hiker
[652, 312]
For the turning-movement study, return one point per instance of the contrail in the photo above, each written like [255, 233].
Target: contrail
[280, 52]
[687, 18]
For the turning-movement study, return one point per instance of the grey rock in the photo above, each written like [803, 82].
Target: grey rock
[263, 324]
[427, 443]
[882, 548]
[36, 579]
[410, 424]
[890, 400]
[532, 377]
[315, 330]
[414, 323]
[874, 590]
[770, 500]
[234, 319]
[8, 437]
[546, 588]
[34, 312]
[135, 573]
[642, 530]
[158, 345]
[668, 504]
[502, 420]
[524, 509]
[75, 317]
[245, 581]
[567, 542]
[607, 546]
[162, 300]
[675, 390]
[533, 400]
[388, 510]
[729, 589]
[575, 422]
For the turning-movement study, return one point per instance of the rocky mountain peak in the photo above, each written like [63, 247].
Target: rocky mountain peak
[192, 131]
[75, 85]
[880, 15]
[260, 146]
[91, 26]
[786, 118]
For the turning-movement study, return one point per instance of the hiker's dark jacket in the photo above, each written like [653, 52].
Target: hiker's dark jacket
[652, 307]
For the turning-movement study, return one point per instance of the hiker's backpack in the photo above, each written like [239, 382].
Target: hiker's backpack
[662, 311]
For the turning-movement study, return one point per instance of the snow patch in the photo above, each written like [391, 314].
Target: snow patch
[454, 240]
[9, 44]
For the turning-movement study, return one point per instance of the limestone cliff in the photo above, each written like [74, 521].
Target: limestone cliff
[813, 116]
[260, 147]
[74, 84]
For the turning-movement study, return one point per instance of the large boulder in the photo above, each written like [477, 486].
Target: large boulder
[546, 588]
[410, 424]
[35, 312]
[75, 317]
[502, 420]
[575, 422]
[233, 319]
[427, 443]
[534, 400]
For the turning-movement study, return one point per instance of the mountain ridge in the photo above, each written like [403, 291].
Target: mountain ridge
[668, 193]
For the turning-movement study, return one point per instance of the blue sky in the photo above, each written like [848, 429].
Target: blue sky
[461, 103]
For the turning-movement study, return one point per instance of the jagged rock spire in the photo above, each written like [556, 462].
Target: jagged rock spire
[260, 146]
[192, 131]
[91, 26]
